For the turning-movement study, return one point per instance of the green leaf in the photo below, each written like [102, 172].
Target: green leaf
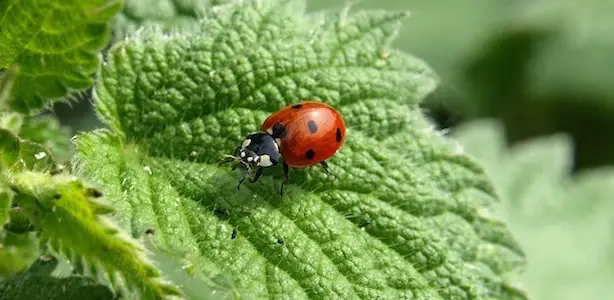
[406, 216]
[573, 58]
[17, 252]
[12, 122]
[548, 70]
[9, 149]
[44, 129]
[6, 199]
[38, 283]
[66, 214]
[47, 131]
[36, 157]
[18, 155]
[215, 288]
[7, 80]
[561, 220]
[55, 44]
[168, 15]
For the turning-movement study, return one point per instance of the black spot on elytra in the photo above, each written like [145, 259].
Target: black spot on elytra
[313, 127]
[279, 130]
[310, 154]
[338, 135]
[297, 106]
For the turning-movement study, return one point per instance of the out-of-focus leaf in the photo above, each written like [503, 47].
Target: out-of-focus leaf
[44, 130]
[167, 15]
[6, 200]
[565, 223]
[549, 70]
[17, 252]
[38, 283]
[9, 149]
[54, 44]
[47, 131]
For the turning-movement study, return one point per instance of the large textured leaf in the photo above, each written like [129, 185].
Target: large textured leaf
[55, 45]
[563, 222]
[405, 217]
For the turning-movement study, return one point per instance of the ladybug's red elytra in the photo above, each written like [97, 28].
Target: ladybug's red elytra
[299, 135]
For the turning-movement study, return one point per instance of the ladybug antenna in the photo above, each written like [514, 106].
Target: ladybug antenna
[229, 158]
[237, 161]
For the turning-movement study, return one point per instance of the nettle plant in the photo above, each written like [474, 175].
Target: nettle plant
[145, 208]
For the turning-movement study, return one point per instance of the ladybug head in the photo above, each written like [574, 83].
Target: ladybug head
[259, 150]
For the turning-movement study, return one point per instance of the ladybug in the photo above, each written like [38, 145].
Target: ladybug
[299, 135]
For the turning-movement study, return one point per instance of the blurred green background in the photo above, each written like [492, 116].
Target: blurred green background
[540, 66]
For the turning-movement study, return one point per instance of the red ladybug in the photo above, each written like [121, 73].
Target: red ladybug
[302, 135]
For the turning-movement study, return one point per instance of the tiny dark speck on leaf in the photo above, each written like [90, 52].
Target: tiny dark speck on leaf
[234, 233]
[94, 193]
[150, 231]
[221, 212]
[280, 241]
[364, 224]
[57, 196]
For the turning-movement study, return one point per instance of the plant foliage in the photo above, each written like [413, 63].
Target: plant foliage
[405, 216]
[53, 46]
[69, 219]
[563, 221]
[40, 283]
[555, 75]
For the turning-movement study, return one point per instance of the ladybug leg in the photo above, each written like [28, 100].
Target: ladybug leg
[242, 178]
[326, 169]
[259, 172]
[325, 166]
[229, 158]
[285, 181]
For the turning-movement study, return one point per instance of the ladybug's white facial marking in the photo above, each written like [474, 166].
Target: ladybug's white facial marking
[246, 143]
[265, 161]
[277, 143]
[270, 131]
[259, 149]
